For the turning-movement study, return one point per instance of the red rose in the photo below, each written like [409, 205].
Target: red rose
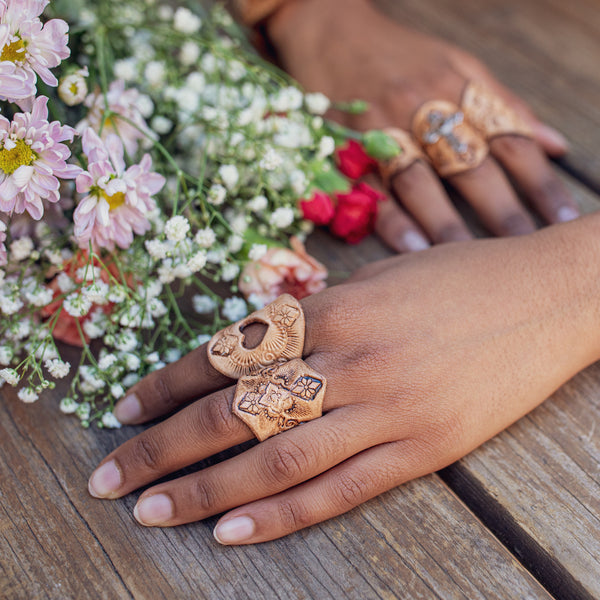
[319, 209]
[355, 213]
[354, 162]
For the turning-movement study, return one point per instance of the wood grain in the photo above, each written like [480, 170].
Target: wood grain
[418, 541]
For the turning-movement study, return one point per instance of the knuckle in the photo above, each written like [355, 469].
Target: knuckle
[215, 417]
[148, 453]
[285, 462]
[452, 232]
[551, 190]
[352, 489]
[204, 496]
[293, 515]
[161, 387]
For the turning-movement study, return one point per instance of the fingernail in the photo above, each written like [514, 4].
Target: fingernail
[154, 510]
[234, 531]
[128, 410]
[554, 136]
[566, 213]
[414, 241]
[105, 480]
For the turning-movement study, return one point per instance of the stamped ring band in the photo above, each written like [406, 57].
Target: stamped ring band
[410, 152]
[276, 389]
[490, 115]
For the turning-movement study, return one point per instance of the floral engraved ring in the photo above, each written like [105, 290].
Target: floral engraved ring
[279, 398]
[276, 390]
[452, 144]
[283, 340]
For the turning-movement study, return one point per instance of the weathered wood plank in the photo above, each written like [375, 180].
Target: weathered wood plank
[545, 50]
[418, 541]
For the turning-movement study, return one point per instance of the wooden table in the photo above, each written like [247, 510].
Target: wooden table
[518, 518]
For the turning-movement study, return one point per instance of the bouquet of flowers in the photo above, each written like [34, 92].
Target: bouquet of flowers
[150, 160]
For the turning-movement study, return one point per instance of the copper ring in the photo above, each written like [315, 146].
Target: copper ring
[410, 152]
[452, 144]
[490, 115]
[276, 389]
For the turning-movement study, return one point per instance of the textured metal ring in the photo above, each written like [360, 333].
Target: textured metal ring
[452, 144]
[410, 152]
[276, 390]
[490, 115]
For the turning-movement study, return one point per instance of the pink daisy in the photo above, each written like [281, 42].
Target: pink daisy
[28, 47]
[32, 159]
[121, 102]
[118, 200]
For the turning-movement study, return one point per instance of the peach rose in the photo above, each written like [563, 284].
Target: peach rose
[282, 271]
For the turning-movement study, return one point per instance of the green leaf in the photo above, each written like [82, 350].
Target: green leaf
[380, 146]
[355, 107]
[331, 181]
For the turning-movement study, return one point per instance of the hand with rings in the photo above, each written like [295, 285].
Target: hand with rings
[450, 116]
[355, 392]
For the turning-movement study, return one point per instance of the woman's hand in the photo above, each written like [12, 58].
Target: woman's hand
[426, 357]
[355, 52]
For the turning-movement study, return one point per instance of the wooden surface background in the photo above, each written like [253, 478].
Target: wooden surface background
[518, 518]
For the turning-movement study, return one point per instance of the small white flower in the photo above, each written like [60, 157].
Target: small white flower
[21, 249]
[189, 54]
[196, 82]
[77, 305]
[68, 406]
[235, 243]
[217, 194]
[326, 147]
[230, 272]
[83, 411]
[110, 421]
[271, 160]
[57, 368]
[258, 204]
[205, 238]
[216, 256]
[10, 376]
[257, 301]
[156, 249]
[317, 104]
[6, 355]
[209, 63]
[117, 294]
[257, 251]
[177, 228]
[282, 217]
[155, 73]
[107, 361]
[88, 273]
[153, 357]
[144, 105]
[27, 395]
[117, 390]
[132, 362]
[230, 175]
[65, 283]
[172, 355]
[236, 70]
[287, 99]
[161, 124]
[96, 292]
[234, 309]
[202, 339]
[125, 341]
[203, 304]
[165, 12]
[126, 69]
[185, 21]
[299, 182]
[10, 306]
[197, 262]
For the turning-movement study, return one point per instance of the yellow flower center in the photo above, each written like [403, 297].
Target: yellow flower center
[13, 52]
[115, 200]
[21, 154]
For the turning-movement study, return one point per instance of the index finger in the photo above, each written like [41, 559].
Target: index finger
[186, 380]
